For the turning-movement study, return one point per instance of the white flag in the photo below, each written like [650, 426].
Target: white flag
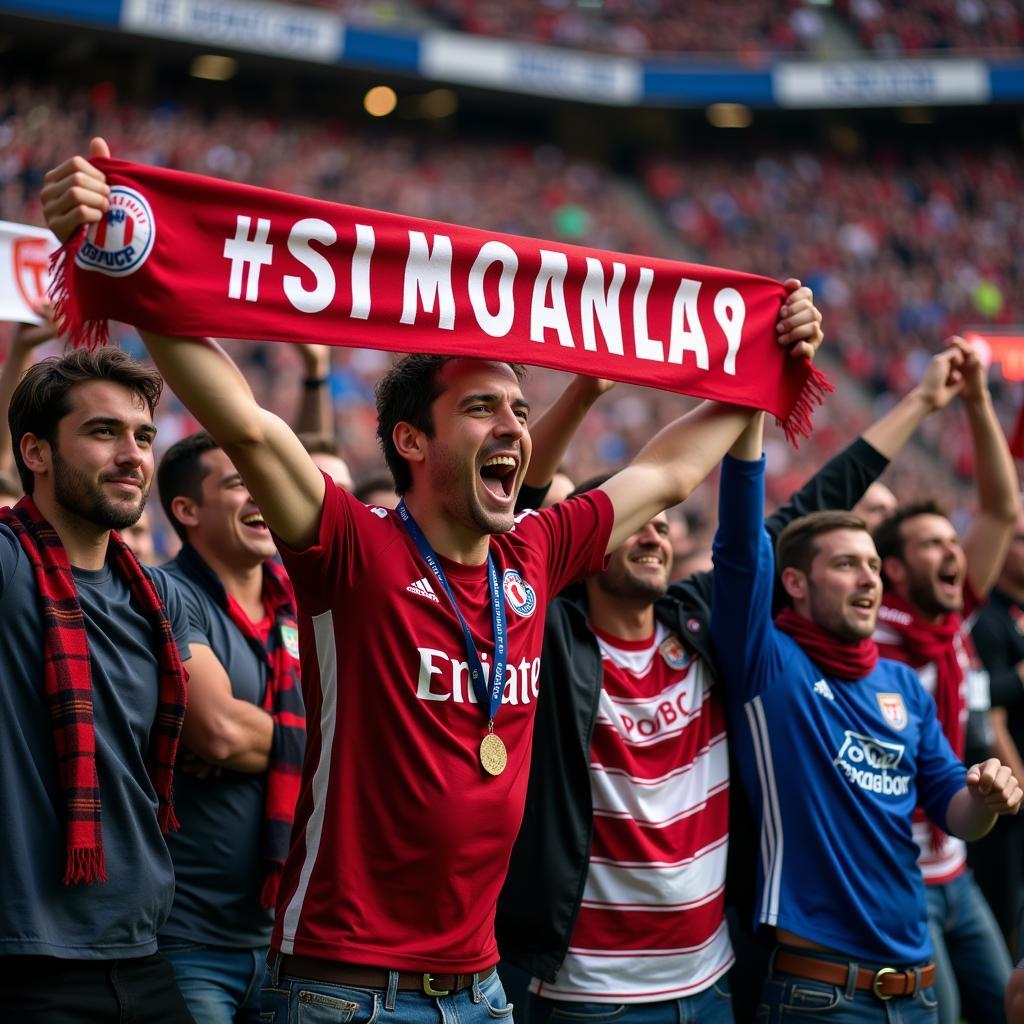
[24, 270]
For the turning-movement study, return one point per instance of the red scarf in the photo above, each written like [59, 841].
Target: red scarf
[839, 658]
[261, 264]
[67, 679]
[282, 701]
[921, 643]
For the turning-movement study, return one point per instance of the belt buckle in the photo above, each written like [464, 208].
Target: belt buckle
[876, 982]
[428, 987]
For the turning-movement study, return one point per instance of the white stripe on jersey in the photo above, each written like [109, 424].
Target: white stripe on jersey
[691, 882]
[640, 975]
[677, 795]
[327, 660]
[771, 823]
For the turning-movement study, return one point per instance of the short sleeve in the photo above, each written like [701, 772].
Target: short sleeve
[170, 591]
[350, 537]
[573, 535]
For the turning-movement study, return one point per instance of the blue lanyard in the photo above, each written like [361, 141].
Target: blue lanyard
[492, 698]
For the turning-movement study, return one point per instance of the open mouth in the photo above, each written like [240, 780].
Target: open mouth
[498, 474]
[864, 605]
[949, 582]
[254, 521]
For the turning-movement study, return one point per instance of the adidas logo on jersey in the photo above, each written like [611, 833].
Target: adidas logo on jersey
[423, 588]
[822, 689]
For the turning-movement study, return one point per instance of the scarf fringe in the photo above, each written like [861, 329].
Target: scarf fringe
[798, 423]
[85, 864]
[271, 884]
[167, 819]
[91, 334]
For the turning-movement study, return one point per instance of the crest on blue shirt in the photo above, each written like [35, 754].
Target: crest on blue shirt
[894, 711]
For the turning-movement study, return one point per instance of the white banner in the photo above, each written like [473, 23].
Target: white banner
[544, 70]
[880, 83]
[24, 271]
[286, 30]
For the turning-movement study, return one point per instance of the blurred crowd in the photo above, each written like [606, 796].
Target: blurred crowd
[749, 32]
[900, 251]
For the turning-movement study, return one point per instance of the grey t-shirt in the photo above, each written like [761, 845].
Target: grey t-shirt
[39, 914]
[218, 866]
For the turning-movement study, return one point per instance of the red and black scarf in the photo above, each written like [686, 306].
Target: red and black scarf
[282, 701]
[922, 642]
[67, 677]
[839, 658]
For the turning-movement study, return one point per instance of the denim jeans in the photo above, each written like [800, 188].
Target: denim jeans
[220, 986]
[47, 990]
[712, 1006]
[970, 954]
[788, 998]
[288, 1000]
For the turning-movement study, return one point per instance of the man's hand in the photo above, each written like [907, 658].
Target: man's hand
[316, 359]
[974, 371]
[993, 786]
[30, 336]
[799, 323]
[943, 378]
[75, 193]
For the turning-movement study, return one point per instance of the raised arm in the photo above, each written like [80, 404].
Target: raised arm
[287, 486]
[27, 337]
[553, 432]
[991, 790]
[668, 469]
[280, 475]
[998, 503]
[316, 410]
[741, 605]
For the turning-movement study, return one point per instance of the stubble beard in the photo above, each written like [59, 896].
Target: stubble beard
[82, 497]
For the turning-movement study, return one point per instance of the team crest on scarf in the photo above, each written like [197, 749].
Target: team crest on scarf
[673, 652]
[290, 639]
[894, 711]
[119, 243]
[519, 594]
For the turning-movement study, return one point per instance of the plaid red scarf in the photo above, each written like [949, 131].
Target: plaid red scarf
[920, 643]
[67, 677]
[836, 657]
[283, 701]
[261, 264]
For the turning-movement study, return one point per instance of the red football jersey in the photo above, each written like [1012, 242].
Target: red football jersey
[401, 841]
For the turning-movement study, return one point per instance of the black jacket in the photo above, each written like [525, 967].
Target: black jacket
[540, 900]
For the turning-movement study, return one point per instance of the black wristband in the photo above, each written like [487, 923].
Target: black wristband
[315, 382]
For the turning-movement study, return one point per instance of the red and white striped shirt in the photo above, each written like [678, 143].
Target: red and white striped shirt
[651, 925]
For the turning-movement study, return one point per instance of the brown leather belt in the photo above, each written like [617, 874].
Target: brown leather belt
[330, 972]
[886, 983]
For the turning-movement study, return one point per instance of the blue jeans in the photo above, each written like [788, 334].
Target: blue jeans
[788, 998]
[288, 1000]
[970, 954]
[220, 986]
[712, 1006]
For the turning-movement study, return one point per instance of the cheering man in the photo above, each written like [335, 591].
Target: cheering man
[244, 729]
[420, 637]
[934, 585]
[836, 747]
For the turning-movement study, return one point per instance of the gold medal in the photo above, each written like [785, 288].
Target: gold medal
[493, 755]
